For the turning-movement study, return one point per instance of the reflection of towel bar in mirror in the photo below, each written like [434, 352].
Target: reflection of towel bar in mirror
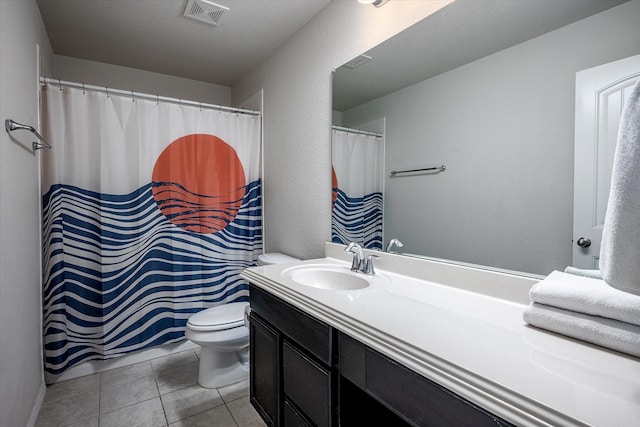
[436, 169]
[10, 126]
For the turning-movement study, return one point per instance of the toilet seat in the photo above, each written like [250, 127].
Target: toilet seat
[218, 318]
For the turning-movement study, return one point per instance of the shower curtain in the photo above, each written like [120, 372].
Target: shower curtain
[150, 212]
[358, 164]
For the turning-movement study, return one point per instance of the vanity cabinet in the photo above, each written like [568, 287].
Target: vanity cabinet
[412, 397]
[306, 373]
[292, 363]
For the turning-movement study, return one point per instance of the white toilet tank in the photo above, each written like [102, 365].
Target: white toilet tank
[275, 258]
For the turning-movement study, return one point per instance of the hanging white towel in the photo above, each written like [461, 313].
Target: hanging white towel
[609, 333]
[620, 250]
[588, 296]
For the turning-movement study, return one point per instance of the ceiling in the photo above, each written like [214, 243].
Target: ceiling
[154, 35]
[459, 33]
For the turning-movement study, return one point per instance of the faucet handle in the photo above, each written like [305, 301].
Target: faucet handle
[394, 241]
[368, 265]
[358, 256]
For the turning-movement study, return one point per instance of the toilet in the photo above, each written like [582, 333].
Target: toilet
[224, 338]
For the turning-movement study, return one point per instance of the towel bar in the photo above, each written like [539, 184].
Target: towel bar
[436, 169]
[10, 126]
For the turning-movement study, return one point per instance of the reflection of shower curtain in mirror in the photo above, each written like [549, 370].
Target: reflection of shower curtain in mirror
[357, 188]
[150, 212]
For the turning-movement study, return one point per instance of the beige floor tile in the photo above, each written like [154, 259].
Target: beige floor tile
[152, 393]
[91, 422]
[126, 373]
[174, 360]
[68, 409]
[126, 392]
[143, 414]
[244, 414]
[234, 391]
[189, 401]
[74, 387]
[180, 377]
[217, 417]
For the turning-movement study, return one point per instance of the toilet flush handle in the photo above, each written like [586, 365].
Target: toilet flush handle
[247, 313]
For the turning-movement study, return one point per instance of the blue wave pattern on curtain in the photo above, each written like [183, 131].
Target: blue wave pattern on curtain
[121, 277]
[121, 272]
[357, 214]
[357, 219]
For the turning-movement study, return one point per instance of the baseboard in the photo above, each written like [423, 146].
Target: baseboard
[35, 411]
[95, 366]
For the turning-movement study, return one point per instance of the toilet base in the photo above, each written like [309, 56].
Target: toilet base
[221, 368]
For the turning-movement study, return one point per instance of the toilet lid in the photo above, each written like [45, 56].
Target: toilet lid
[275, 258]
[220, 317]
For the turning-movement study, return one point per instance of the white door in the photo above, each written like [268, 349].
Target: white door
[600, 95]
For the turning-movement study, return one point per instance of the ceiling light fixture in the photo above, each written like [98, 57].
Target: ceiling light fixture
[376, 3]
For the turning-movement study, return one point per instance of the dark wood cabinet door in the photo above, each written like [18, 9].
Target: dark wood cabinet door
[264, 361]
[292, 418]
[307, 384]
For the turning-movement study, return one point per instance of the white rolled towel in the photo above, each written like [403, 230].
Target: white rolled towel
[586, 295]
[619, 336]
[620, 250]
[594, 274]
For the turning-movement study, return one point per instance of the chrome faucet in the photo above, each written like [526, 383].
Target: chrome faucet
[368, 265]
[392, 242]
[360, 263]
[358, 256]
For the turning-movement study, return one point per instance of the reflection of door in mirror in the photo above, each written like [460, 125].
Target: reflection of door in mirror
[601, 93]
[358, 164]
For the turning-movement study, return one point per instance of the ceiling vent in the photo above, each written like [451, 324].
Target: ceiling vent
[205, 11]
[358, 61]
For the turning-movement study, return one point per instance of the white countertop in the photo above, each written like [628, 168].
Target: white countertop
[472, 340]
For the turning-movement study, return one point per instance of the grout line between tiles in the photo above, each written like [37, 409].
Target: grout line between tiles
[99, 398]
[155, 379]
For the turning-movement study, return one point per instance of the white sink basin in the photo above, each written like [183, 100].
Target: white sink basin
[335, 278]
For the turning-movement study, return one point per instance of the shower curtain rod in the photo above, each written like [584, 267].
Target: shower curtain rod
[357, 131]
[48, 81]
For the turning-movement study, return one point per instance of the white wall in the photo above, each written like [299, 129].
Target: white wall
[297, 115]
[21, 371]
[504, 127]
[125, 78]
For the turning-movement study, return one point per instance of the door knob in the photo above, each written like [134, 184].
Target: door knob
[583, 242]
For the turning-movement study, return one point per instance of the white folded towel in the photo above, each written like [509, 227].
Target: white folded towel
[620, 250]
[594, 274]
[586, 295]
[619, 336]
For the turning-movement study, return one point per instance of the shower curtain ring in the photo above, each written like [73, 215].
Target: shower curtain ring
[106, 89]
[83, 92]
[60, 85]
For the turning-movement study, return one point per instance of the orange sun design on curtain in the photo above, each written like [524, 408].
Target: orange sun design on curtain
[334, 186]
[198, 183]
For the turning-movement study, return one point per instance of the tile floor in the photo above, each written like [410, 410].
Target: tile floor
[159, 392]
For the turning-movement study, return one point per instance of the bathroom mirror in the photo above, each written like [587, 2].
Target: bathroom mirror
[487, 89]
